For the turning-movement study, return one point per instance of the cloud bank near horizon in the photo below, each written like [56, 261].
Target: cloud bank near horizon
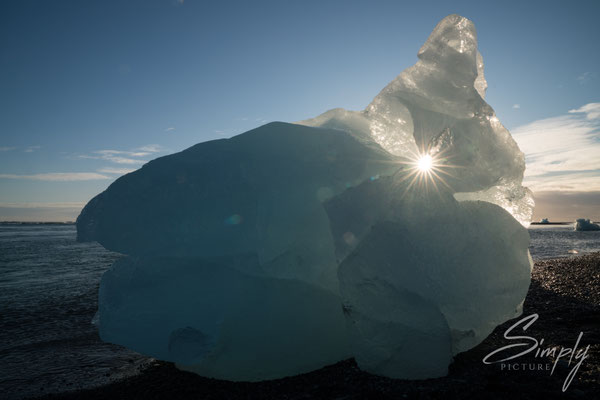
[562, 153]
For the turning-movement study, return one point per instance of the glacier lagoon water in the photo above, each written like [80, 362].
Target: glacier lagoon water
[552, 241]
[48, 296]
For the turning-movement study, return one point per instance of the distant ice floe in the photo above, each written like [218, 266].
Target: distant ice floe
[583, 224]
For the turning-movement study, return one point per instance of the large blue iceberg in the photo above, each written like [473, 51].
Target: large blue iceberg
[395, 235]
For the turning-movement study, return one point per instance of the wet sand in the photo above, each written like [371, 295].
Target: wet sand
[564, 292]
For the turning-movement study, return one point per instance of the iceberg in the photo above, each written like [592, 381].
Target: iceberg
[395, 235]
[583, 224]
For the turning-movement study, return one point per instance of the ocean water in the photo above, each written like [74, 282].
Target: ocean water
[553, 241]
[48, 297]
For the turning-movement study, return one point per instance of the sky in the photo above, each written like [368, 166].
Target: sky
[90, 90]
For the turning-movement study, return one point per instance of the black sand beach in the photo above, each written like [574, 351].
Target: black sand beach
[564, 292]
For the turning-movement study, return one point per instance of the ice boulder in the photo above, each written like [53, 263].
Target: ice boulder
[231, 270]
[395, 234]
[218, 321]
[583, 224]
[254, 200]
[428, 277]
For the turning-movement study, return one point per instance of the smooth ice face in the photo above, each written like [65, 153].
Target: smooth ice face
[393, 234]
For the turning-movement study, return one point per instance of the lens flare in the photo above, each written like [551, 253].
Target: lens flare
[425, 163]
[425, 169]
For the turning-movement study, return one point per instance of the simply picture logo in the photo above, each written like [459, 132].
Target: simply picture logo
[508, 355]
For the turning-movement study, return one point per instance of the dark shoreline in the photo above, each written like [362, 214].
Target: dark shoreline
[565, 292]
[552, 223]
[37, 223]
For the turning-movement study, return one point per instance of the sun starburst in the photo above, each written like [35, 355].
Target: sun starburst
[425, 163]
[426, 169]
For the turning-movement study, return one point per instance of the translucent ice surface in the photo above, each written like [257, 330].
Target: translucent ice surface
[395, 234]
[437, 107]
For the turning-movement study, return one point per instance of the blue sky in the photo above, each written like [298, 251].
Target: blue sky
[91, 90]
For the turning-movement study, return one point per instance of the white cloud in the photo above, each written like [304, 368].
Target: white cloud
[112, 158]
[516, 106]
[170, 129]
[591, 110]
[31, 149]
[129, 157]
[58, 176]
[577, 182]
[127, 153]
[563, 152]
[121, 157]
[124, 160]
[585, 77]
[151, 148]
[118, 171]
[6, 148]
[110, 152]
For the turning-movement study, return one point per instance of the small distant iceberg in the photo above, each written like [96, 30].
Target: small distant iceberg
[583, 224]
[544, 221]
